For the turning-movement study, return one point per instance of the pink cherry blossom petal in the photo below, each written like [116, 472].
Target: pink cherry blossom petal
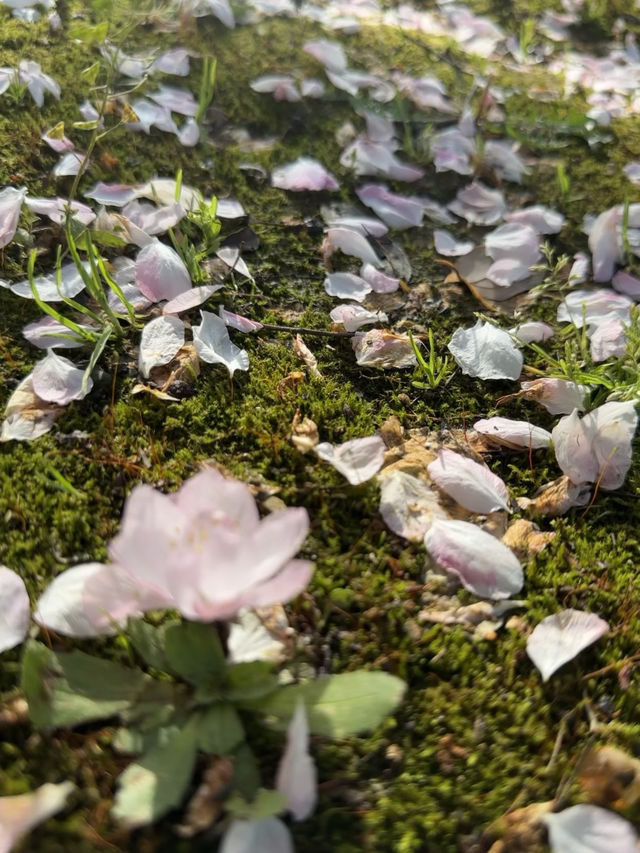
[20, 813]
[10, 206]
[532, 332]
[449, 245]
[160, 272]
[395, 210]
[346, 285]
[484, 565]
[627, 284]
[380, 283]
[560, 637]
[479, 205]
[48, 333]
[558, 396]
[303, 174]
[267, 834]
[351, 242]
[330, 53]
[352, 317]
[542, 219]
[49, 289]
[590, 829]
[472, 485]
[358, 460]
[15, 609]
[514, 433]
[115, 195]
[237, 321]
[57, 380]
[408, 506]
[190, 298]
[282, 86]
[56, 209]
[296, 777]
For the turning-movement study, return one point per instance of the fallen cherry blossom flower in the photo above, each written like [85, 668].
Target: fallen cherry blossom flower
[20, 814]
[15, 616]
[382, 348]
[346, 285]
[486, 352]
[213, 344]
[482, 563]
[10, 206]
[202, 550]
[55, 379]
[160, 272]
[395, 210]
[589, 829]
[408, 506]
[597, 447]
[352, 317]
[296, 777]
[160, 340]
[357, 460]
[304, 173]
[470, 484]
[560, 637]
[449, 245]
[558, 396]
[514, 434]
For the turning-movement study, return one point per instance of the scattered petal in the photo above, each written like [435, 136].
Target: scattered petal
[408, 506]
[358, 460]
[296, 774]
[382, 348]
[213, 344]
[590, 829]
[10, 206]
[346, 285]
[514, 434]
[190, 298]
[303, 174]
[486, 352]
[472, 485]
[15, 615]
[560, 637]
[55, 379]
[159, 343]
[160, 272]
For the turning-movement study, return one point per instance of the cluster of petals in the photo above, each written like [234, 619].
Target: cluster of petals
[202, 550]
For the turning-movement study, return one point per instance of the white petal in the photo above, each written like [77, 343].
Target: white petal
[472, 485]
[160, 341]
[380, 283]
[190, 298]
[352, 243]
[395, 210]
[249, 640]
[532, 331]
[303, 174]
[486, 352]
[48, 333]
[27, 417]
[352, 317]
[558, 396]
[61, 606]
[71, 283]
[10, 206]
[15, 610]
[590, 829]
[484, 565]
[407, 505]
[514, 433]
[358, 460]
[213, 344]
[231, 257]
[267, 835]
[572, 442]
[296, 775]
[346, 285]
[19, 814]
[57, 380]
[559, 638]
[449, 245]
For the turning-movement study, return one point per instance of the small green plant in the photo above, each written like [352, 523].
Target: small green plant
[435, 369]
[527, 33]
[562, 179]
[207, 85]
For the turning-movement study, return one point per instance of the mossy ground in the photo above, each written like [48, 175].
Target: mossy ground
[402, 788]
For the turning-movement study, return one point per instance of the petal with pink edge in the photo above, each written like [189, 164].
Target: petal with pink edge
[160, 272]
[15, 611]
[470, 484]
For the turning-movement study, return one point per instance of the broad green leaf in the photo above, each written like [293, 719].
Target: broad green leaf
[134, 742]
[249, 681]
[194, 652]
[157, 782]
[220, 730]
[148, 641]
[38, 670]
[246, 775]
[155, 704]
[338, 705]
[99, 678]
[265, 804]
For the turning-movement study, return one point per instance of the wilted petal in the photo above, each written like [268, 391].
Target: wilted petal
[19, 814]
[160, 341]
[590, 829]
[514, 433]
[559, 638]
[357, 460]
[268, 835]
[26, 416]
[486, 352]
[10, 206]
[472, 485]
[346, 285]
[484, 565]
[382, 348]
[407, 505]
[250, 640]
[230, 255]
[213, 344]
[160, 272]
[15, 613]
[303, 174]
[190, 298]
[296, 774]
[57, 380]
